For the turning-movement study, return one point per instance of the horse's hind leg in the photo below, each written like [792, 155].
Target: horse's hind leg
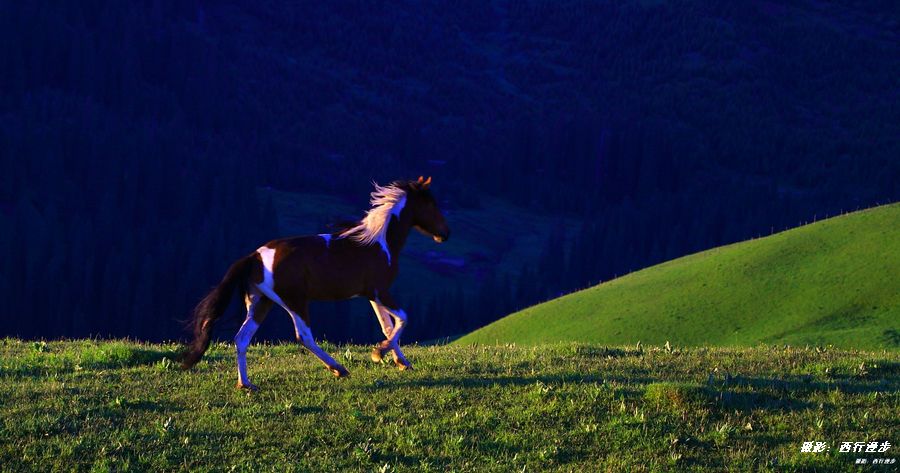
[258, 307]
[299, 311]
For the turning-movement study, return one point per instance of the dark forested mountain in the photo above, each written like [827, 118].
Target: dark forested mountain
[136, 137]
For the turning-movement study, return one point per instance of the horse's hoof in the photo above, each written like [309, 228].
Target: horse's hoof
[249, 386]
[339, 371]
[377, 354]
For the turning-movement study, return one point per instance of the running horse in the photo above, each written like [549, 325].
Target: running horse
[359, 261]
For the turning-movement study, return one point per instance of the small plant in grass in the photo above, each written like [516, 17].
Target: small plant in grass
[675, 397]
[165, 364]
[722, 433]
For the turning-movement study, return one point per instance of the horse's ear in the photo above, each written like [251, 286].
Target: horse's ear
[420, 180]
[427, 183]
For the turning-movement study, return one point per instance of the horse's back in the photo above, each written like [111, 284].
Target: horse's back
[306, 244]
[321, 267]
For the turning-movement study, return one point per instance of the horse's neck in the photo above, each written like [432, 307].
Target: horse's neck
[397, 232]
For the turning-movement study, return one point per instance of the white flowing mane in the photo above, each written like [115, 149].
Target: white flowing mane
[386, 201]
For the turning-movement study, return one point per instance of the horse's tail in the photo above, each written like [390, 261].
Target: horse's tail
[213, 306]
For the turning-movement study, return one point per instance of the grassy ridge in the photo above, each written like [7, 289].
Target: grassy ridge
[832, 282]
[119, 406]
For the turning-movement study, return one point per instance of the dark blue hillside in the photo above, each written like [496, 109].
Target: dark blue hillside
[135, 138]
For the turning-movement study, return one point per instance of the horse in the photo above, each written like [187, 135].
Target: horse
[359, 260]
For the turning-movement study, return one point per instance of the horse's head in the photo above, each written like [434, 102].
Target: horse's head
[426, 216]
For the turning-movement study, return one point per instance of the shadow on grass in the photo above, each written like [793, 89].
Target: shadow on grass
[773, 393]
[807, 385]
[498, 381]
[885, 368]
[210, 357]
[142, 356]
[305, 410]
[489, 377]
[152, 406]
[764, 393]
[749, 401]
[586, 351]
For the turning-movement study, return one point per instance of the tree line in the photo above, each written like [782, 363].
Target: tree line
[133, 137]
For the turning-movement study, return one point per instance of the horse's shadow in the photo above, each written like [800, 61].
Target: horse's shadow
[145, 356]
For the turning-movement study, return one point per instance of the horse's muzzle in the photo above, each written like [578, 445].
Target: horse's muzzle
[440, 238]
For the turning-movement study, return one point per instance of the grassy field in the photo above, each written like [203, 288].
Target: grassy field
[121, 406]
[836, 282]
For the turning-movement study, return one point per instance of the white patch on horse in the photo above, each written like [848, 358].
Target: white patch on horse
[384, 318]
[327, 238]
[386, 202]
[242, 341]
[267, 286]
[400, 318]
[391, 330]
[245, 334]
[304, 335]
[301, 330]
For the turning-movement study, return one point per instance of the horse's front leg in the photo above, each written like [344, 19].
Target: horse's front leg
[387, 326]
[391, 332]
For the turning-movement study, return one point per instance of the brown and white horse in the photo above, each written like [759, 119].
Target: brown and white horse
[361, 260]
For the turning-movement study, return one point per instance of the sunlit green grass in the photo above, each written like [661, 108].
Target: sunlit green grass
[120, 406]
[833, 282]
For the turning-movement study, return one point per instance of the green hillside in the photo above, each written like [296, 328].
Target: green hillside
[832, 282]
[115, 406]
